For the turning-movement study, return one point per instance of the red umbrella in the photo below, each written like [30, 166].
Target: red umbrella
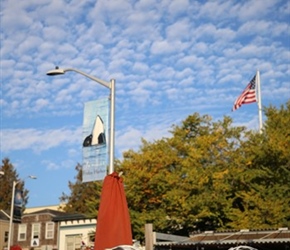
[16, 247]
[113, 224]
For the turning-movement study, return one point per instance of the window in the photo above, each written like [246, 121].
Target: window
[6, 236]
[91, 237]
[49, 230]
[35, 234]
[21, 232]
[45, 247]
[73, 242]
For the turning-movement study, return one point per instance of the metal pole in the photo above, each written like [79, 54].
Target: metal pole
[111, 86]
[112, 126]
[11, 215]
[258, 83]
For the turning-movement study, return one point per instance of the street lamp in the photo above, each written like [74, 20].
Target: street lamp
[12, 208]
[110, 85]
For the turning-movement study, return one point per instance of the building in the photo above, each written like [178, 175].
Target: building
[37, 230]
[4, 229]
[50, 229]
[76, 231]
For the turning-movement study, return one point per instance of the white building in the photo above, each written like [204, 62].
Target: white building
[75, 232]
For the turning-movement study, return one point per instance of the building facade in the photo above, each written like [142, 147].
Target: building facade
[76, 232]
[49, 229]
[4, 229]
[37, 230]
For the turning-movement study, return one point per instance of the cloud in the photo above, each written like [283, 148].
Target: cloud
[169, 58]
[12, 24]
[54, 166]
[166, 47]
[37, 140]
[262, 27]
[131, 137]
[255, 9]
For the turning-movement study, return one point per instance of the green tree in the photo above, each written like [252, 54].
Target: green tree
[211, 175]
[179, 183]
[208, 175]
[6, 185]
[84, 197]
[262, 190]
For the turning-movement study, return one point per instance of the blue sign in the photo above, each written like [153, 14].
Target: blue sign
[95, 140]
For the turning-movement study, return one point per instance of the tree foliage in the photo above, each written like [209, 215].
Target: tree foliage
[6, 185]
[84, 197]
[208, 175]
[211, 175]
[178, 183]
[264, 197]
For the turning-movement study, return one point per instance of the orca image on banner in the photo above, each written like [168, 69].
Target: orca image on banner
[95, 131]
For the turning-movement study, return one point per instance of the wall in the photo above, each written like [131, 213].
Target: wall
[4, 227]
[81, 227]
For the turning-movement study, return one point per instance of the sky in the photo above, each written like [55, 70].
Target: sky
[170, 59]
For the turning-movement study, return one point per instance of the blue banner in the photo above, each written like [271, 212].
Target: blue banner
[18, 203]
[95, 140]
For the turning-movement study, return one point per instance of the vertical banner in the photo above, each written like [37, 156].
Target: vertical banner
[17, 209]
[95, 140]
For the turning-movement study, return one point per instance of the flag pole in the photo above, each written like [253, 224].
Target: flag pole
[258, 84]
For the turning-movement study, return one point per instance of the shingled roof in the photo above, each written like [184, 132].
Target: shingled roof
[53, 212]
[58, 215]
[4, 215]
[272, 238]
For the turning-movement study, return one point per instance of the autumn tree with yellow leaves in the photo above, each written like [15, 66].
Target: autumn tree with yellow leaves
[208, 175]
[211, 175]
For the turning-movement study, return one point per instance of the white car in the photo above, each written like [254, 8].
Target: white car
[122, 247]
[242, 248]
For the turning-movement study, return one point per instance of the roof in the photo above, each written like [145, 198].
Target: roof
[59, 207]
[4, 215]
[45, 211]
[65, 217]
[241, 237]
[59, 215]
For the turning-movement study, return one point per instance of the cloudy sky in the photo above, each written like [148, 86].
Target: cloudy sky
[169, 58]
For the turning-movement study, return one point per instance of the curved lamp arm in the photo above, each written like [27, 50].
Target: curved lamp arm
[58, 71]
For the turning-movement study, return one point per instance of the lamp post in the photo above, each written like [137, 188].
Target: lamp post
[12, 208]
[110, 85]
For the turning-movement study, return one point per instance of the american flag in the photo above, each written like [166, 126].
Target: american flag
[248, 95]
